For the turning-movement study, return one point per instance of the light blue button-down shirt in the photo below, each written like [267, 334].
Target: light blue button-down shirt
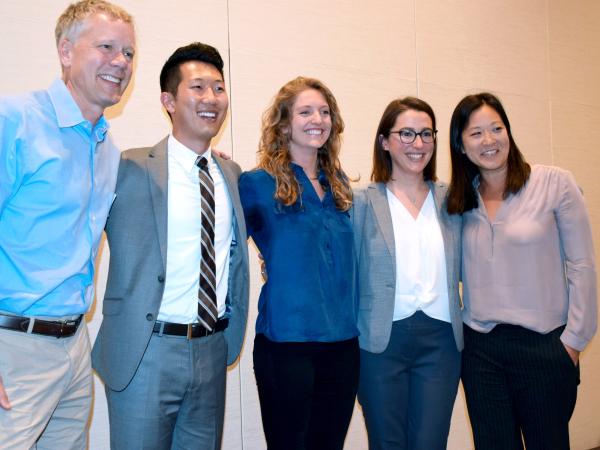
[57, 183]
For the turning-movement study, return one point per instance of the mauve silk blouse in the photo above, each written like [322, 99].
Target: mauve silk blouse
[533, 265]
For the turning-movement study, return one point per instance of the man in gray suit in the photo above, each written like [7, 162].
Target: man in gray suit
[164, 367]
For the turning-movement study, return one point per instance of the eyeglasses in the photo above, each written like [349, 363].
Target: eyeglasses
[408, 135]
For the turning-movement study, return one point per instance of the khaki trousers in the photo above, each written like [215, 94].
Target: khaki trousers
[49, 384]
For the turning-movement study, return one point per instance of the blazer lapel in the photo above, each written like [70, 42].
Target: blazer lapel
[158, 182]
[231, 180]
[379, 202]
[439, 196]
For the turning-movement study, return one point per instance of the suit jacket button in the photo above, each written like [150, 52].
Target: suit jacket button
[149, 317]
[161, 278]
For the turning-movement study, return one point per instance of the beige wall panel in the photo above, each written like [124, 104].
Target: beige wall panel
[496, 45]
[29, 45]
[460, 429]
[574, 43]
[575, 141]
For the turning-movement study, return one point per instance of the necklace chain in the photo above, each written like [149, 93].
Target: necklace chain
[411, 198]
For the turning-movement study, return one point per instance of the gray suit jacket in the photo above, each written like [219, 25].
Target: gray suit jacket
[137, 235]
[375, 246]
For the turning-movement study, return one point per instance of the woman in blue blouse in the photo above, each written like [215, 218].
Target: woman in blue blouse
[306, 356]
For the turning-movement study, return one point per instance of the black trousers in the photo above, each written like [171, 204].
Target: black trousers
[306, 392]
[519, 385]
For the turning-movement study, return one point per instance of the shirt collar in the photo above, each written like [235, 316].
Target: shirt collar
[303, 179]
[299, 171]
[68, 113]
[184, 155]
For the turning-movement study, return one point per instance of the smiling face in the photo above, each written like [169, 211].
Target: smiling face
[485, 141]
[409, 159]
[200, 106]
[310, 123]
[98, 63]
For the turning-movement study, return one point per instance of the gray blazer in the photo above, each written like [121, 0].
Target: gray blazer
[375, 246]
[137, 236]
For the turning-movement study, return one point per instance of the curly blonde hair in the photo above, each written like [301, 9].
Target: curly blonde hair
[274, 155]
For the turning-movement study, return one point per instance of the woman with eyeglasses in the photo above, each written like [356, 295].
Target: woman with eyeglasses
[296, 206]
[409, 306]
[529, 283]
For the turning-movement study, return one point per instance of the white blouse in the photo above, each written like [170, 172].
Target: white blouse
[421, 282]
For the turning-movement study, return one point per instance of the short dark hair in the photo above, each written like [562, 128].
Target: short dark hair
[170, 75]
[462, 196]
[382, 161]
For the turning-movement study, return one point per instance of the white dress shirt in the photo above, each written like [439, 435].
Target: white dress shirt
[421, 281]
[180, 299]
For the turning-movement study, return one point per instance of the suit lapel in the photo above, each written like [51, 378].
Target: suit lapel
[381, 208]
[231, 180]
[158, 183]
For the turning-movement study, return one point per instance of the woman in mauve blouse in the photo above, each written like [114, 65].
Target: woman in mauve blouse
[306, 356]
[529, 283]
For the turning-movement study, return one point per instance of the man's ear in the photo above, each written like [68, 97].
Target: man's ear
[65, 52]
[168, 101]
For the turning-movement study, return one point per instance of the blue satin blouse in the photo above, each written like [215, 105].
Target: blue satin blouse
[310, 294]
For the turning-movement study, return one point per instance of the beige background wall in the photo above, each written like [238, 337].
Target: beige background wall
[541, 57]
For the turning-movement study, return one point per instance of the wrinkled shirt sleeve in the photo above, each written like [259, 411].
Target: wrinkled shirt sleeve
[576, 238]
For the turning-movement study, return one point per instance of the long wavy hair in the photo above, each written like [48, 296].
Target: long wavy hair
[462, 196]
[274, 155]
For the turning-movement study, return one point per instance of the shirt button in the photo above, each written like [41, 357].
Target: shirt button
[161, 278]
[149, 317]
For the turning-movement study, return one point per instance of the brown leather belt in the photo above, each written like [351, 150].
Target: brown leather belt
[61, 328]
[190, 330]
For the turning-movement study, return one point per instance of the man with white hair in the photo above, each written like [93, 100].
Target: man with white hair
[58, 170]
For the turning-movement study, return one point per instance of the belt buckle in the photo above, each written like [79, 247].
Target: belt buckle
[189, 331]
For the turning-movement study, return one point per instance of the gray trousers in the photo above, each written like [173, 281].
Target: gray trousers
[176, 399]
[49, 384]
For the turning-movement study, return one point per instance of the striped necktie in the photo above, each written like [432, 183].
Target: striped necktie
[207, 296]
